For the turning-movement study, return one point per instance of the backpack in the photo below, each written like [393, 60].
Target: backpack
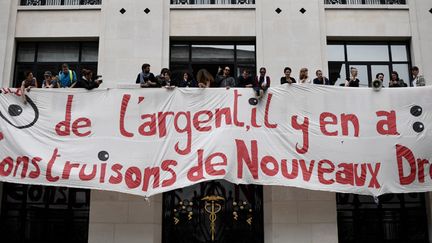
[70, 77]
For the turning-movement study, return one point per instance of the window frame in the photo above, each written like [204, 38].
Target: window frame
[62, 210]
[389, 63]
[234, 63]
[359, 211]
[33, 66]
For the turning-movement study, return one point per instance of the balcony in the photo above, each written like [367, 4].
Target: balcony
[211, 2]
[366, 2]
[59, 2]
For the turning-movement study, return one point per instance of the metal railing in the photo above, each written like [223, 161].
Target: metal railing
[372, 2]
[59, 2]
[179, 2]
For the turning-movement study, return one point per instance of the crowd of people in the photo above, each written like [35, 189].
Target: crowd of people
[67, 78]
[261, 82]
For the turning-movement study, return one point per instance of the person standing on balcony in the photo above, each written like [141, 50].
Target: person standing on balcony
[50, 81]
[287, 79]
[304, 76]
[187, 81]
[204, 78]
[28, 83]
[245, 80]
[87, 81]
[67, 77]
[416, 79]
[261, 83]
[353, 81]
[395, 81]
[223, 79]
[167, 82]
[161, 77]
[146, 79]
[320, 79]
[380, 77]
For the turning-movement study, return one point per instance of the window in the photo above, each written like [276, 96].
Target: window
[369, 59]
[39, 57]
[365, 1]
[212, 1]
[33, 214]
[193, 56]
[392, 218]
[60, 2]
[215, 211]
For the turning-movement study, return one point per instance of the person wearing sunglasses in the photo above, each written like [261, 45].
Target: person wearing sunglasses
[261, 83]
[224, 79]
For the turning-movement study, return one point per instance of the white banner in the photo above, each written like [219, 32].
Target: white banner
[147, 141]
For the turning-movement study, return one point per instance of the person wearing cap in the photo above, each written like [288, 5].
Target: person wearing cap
[50, 81]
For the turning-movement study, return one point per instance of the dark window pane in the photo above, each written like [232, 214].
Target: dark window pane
[42, 67]
[26, 52]
[58, 52]
[246, 53]
[33, 214]
[364, 219]
[177, 71]
[337, 73]
[250, 67]
[213, 53]
[180, 53]
[89, 52]
[19, 73]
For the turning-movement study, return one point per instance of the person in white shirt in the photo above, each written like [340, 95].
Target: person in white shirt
[304, 76]
[416, 79]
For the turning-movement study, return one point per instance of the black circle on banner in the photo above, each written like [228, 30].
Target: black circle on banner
[103, 155]
[416, 110]
[15, 110]
[253, 101]
[418, 127]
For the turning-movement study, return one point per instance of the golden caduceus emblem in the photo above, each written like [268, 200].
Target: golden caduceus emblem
[212, 208]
